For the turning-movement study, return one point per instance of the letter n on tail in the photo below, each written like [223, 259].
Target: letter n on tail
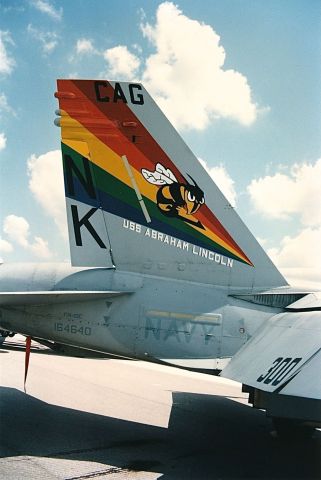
[88, 237]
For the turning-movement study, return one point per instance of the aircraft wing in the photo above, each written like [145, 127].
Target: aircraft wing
[11, 299]
[280, 366]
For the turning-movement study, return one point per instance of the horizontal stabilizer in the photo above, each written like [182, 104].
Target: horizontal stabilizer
[53, 297]
[284, 356]
[308, 303]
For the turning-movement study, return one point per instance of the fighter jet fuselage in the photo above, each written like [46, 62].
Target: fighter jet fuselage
[188, 324]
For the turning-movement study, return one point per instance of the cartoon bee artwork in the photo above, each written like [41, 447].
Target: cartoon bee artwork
[175, 199]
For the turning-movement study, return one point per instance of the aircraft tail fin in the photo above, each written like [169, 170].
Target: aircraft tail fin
[139, 200]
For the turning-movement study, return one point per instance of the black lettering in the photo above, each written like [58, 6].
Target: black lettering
[84, 221]
[119, 94]
[137, 98]
[86, 182]
[281, 367]
[98, 84]
[289, 367]
[271, 369]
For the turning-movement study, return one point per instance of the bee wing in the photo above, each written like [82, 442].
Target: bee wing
[161, 175]
[166, 173]
[153, 177]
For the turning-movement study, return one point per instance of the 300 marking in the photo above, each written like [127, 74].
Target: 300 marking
[61, 327]
[280, 368]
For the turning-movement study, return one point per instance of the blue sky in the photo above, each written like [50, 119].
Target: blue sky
[239, 79]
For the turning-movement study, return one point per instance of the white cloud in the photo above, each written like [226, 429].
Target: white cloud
[18, 231]
[122, 63]
[5, 246]
[299, 257]
[84, 45]
[223, 180]
[294, 193]
[186, 74]
[40, 248]
[282, 195]
[47, 8]
[3, 141]
[7, 63]
[4, 106]
[46, 184]
[47, 40]
[302, 250]
[303, 277]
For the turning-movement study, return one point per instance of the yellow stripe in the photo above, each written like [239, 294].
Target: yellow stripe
[103, 156]
[73, 132]
[79, 146]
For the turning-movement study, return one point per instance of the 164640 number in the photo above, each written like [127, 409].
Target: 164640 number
[73, 329]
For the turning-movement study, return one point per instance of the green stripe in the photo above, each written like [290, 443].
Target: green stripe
[107, 183]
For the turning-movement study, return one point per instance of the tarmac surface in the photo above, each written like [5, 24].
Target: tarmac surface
[102, 418]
